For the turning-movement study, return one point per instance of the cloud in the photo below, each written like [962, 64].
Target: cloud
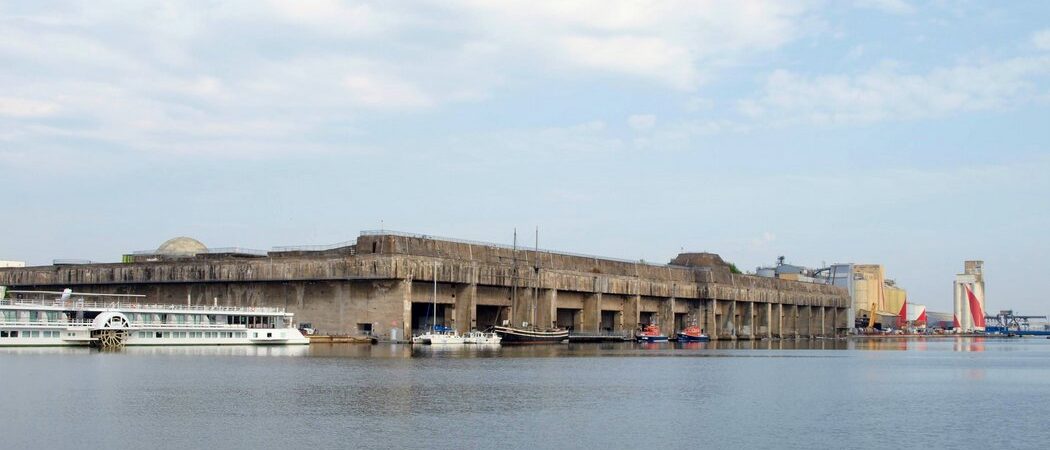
[385, 93]
[764, 240]
[889, 93]
[676, 43]
[248, 78]
[644, 56]
[1041, 39]
[21, 107]
[900, 7]
[641, 122]
[334, 17]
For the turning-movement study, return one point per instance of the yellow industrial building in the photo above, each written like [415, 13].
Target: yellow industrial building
[871, 287]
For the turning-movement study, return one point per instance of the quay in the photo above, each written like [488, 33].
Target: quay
[383, 285]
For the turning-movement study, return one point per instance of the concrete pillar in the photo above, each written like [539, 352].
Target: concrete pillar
[404, 290]
[521, 305]
[805, 320]
[791, 322]
[766, 321]
[843, 316]
[592, 312]
[752, 325]
[778, 320]
[814, 321]
[825, 328]
[466, 307]
[728, 325]
[710, 324]
[547, 308]
[631, 313]
[818, 321]
[666, 319]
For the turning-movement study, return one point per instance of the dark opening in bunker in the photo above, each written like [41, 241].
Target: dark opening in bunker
[646, 318]
[610, 320]
[488, 316]
[568, 319]
[423, 316]
[681, 321]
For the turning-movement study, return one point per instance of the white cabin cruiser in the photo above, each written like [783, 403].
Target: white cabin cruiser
[438, 335]
[481, 337]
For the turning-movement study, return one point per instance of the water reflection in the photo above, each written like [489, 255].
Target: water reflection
[713, 348]
[189, 350]
[609, 395]
[920, 343]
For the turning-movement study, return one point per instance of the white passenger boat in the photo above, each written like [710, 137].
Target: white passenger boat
[41, 318]
[481, 337]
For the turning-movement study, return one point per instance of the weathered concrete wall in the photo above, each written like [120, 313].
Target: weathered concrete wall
[378, 280]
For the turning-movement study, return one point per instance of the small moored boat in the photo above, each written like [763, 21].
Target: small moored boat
[481, 337]
[651, 333]
[693, 334]
[438, 335]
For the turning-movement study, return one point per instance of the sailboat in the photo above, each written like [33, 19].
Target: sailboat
[528, 333]
[438, 334]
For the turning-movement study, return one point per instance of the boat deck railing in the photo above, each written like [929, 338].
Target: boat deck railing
[133, 306]
[134, 326]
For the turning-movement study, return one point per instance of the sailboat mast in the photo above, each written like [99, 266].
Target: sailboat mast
[514, 279]
[434, 298]
[536, 277]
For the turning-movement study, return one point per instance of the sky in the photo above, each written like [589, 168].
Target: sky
[911, 134]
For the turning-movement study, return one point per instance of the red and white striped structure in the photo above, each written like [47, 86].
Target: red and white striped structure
[916, 313]
[969, 298]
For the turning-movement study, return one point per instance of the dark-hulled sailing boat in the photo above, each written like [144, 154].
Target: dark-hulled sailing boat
[528, 333]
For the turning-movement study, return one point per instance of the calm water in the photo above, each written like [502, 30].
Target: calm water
[964, 393]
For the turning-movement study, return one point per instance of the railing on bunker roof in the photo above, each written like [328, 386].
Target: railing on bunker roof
[521, 248]
[313, 248]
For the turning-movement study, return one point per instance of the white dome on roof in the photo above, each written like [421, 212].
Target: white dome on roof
[181, 246]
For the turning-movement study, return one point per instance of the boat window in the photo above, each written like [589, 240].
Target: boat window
[14, 333]
[3, 333]
[52, 316]
[269, 335]
[159, 334]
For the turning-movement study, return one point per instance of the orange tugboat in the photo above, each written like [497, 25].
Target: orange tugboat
[651, 333]
[693, 334]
